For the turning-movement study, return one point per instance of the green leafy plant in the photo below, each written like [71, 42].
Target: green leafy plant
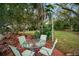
[37, 34]
[47, 30]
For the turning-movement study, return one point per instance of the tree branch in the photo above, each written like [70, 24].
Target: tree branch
[77, 14]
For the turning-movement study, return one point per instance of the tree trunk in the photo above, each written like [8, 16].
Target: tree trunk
[40, 9]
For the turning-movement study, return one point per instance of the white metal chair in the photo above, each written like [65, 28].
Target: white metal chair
[17, 53]
[15, 50]
[48, 51]
[42, 40]
[22, 41]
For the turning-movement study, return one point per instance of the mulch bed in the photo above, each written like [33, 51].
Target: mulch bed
[56, 52]
[12, 39]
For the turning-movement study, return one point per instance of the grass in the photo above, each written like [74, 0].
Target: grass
[67, 42]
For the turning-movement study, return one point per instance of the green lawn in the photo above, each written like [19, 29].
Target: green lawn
[67, 42]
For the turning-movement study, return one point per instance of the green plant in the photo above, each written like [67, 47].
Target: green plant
[47, 30]
[37, 34]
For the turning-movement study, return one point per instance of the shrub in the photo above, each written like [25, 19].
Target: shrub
[37, 34]
[47, 30]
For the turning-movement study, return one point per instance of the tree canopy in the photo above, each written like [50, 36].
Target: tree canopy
[30, 16]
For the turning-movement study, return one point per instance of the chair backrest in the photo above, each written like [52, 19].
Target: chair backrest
[15, 50]
[43, 37]
[54, 45]
[22, 39]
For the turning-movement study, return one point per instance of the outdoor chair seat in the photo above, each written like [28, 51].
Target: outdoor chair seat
[24, 53]
[45, 51]
[27, 53]
[48, 51]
